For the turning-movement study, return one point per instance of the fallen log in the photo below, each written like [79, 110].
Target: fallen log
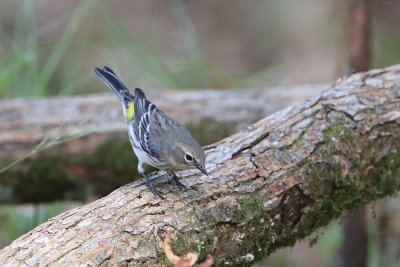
[270, 185]
[26, 122]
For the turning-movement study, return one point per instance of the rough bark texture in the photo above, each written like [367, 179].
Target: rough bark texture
[25, 122]
[274, 183]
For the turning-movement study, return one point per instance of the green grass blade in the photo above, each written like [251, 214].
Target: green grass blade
[187, 29]
[65, 41]
[25, 39]
[139, 54]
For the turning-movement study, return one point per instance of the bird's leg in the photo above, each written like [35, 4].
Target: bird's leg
[176, 181]
[148, 183]
[152, 188]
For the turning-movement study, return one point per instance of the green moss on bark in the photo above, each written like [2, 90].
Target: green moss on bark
[342, 180]
[201, 242]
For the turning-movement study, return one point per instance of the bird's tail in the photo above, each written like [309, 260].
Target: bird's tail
[139, 93]
[115, 84]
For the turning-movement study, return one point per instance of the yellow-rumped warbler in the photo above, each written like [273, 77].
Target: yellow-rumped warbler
[157, 139]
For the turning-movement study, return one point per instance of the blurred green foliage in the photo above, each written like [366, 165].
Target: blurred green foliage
[28, 66]
[56, 56]
[31, 66]
[43, 182]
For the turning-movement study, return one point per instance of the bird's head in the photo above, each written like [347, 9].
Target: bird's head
[192, 157]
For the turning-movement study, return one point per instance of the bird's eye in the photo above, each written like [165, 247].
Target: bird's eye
[188, 157]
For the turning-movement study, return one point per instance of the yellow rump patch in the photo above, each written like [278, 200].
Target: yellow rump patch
[130, 111]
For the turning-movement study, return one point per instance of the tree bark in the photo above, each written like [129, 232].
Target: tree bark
[270, 185]
[26, 122]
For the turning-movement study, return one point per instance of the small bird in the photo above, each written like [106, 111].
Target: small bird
[156, 138]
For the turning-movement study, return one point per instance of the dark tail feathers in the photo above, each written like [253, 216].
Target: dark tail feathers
[114, 83]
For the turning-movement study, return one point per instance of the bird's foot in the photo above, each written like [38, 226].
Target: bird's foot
[154, 190]
[176, 181]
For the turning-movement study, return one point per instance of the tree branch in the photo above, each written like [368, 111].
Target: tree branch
[270, 185]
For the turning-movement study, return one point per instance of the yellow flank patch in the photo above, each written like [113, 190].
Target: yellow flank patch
[130, 111]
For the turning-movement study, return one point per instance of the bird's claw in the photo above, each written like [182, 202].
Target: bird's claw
[177, 182]
[154, 190]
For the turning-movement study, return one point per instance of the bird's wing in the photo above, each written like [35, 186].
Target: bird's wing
[144, 110]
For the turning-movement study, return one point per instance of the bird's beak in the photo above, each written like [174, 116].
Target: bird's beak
[202, 169]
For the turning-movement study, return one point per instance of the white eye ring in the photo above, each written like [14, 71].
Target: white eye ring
[188, 157]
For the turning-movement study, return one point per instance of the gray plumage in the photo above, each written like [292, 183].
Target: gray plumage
[157, 139]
